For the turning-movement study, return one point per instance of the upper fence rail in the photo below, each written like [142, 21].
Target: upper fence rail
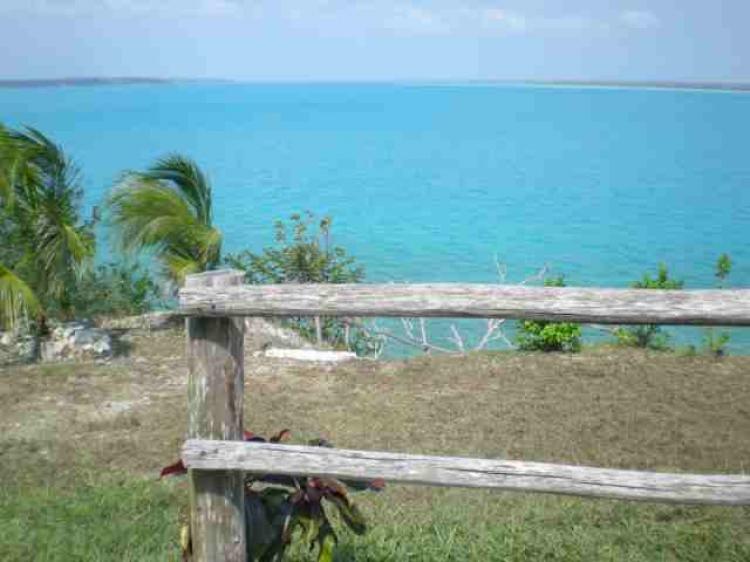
[719, 307]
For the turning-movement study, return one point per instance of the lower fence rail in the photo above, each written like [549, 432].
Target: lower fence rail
[519, 476]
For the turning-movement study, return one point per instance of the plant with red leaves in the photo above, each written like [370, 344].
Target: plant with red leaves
[278, 506]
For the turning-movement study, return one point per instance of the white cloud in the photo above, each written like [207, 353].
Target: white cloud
[414, 19]
[511, 21]
[639, 19]
[498, 19]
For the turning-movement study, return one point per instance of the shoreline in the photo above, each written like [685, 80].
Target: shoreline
[656, 85]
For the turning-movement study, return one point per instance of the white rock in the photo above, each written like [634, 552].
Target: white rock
[309, 355]
[76, 340]
[6, 338]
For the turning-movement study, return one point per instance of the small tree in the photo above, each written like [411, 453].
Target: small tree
[716, 343]
[723, 268]
[304, 255]
[46, 246]
[535, 335]
[650, 335]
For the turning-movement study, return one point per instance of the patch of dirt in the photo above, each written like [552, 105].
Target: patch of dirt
[607, 407]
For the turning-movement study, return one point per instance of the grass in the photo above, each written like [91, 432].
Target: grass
[94, 517]
[81, 445]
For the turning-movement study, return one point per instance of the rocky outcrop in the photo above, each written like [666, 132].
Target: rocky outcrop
[82, 340]
[17, 347]
[76, 340]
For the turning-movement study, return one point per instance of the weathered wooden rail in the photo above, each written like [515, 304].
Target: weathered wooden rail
[216, 302]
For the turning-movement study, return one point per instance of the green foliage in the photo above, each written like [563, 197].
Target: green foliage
[167, 209]
[46, 245]
[649, 336]
[661, 281]
[548, 336]
[299, 256]
[713, 343]
[17, 299]
[303, 254]
[279, 508]
[115, 289]
[535, 335]
[723, 268]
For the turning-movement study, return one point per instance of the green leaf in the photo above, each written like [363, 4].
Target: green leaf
[167, 210]
[349, 513]
[17, 300]
[327, 542]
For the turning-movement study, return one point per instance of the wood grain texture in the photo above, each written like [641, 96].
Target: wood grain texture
[472, 473]
[215, 354]
[596, 306]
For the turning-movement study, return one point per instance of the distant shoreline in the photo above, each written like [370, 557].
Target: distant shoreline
[668, 85]
[124, 81]
[61, 82]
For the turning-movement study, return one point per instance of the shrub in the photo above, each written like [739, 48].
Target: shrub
[299, 256]
[115, 289]
[279, 508]
[649, 335]
[304, 255]
[45, 244]
[723, 268]
[716, 344]
[535, 335]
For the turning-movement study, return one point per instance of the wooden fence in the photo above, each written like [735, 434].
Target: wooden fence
[216, 303]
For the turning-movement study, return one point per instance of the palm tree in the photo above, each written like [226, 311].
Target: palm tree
[47, 245]
[167, 209]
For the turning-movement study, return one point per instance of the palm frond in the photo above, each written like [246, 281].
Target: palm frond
[17, 300]
[187, 178]
[167, 210]
[54, 247]
[148, 214]
[42, 168]
[178, 267]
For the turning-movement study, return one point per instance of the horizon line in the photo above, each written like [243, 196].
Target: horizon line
[134, 80]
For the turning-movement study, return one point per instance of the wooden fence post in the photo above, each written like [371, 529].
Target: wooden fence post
[215, 348]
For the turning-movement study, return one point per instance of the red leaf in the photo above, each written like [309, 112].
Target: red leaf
[378, 484]
[282, 435]
[176, 469]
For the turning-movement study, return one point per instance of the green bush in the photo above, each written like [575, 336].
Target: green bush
[649, 336]
[115, 289]
[299, 256]
[716, 344]
[723, 268]
[535, 335]
[302, 254]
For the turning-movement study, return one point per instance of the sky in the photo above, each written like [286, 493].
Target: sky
[361, 40]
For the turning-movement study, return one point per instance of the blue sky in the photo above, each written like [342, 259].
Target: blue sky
[377, 39]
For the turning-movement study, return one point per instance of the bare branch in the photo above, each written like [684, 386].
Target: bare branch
[457, 339]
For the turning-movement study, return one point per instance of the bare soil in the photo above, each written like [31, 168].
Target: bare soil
[606, 406]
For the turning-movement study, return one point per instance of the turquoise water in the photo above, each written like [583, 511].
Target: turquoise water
[432, 182]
